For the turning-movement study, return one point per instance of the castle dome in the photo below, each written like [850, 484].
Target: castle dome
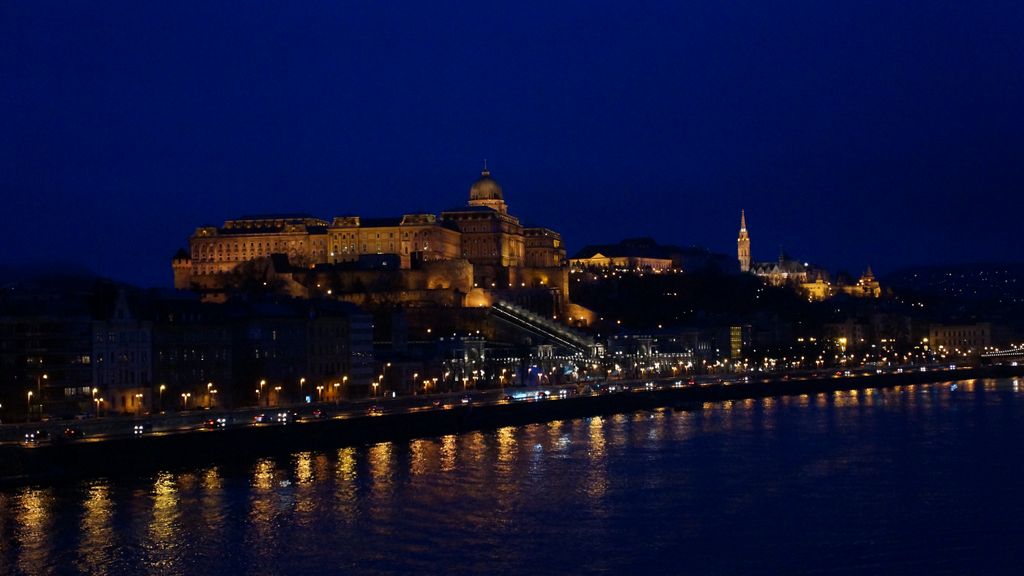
[485, 188]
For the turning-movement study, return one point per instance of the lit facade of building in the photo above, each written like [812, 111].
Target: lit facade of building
[811, 280]
[633, 254]
[500, 252]
[960, 336]
[122, 361]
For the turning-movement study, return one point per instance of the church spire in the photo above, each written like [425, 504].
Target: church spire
[743, 244]
[485, 171]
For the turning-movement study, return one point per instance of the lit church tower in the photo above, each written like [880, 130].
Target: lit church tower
[743, 244]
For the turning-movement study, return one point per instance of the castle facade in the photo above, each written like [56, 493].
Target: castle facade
[469, 252]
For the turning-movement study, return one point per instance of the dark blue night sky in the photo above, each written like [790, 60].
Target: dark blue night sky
[854, 133]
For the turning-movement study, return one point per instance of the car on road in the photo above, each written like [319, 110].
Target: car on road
[216, 423]
[72, 433]
[141, 429]
[34, 437]
[375, 411]
[285, 417]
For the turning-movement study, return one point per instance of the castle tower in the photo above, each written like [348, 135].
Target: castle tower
[743, 244]
[182, 265]
[487, 192]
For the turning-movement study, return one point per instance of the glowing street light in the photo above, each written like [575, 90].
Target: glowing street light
[320, 393]
[162, 388]
[262, 384]
[28, 411]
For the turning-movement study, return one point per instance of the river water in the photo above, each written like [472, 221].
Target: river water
[916, 479]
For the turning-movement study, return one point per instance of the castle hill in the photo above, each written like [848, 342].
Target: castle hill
[293, 317]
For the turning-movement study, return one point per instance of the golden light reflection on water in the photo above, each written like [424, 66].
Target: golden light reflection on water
[844, 398]
[597, 471]
[595, 433]
[96, 529]
[474, 448]
[557, 437]
[379, 458]
[212, 480]
[263, 506]
[34, 529]
[211, 498]
[263, 474]
[345, 490]
[448, 453]
[821, 399]
[164, 531]
[507, 445]
[419, 457]
[305, 502]
[347, 464]
[304, 467]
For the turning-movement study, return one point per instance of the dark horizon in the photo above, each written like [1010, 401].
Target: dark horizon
[873, 134]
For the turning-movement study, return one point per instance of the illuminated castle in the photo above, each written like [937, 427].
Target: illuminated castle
[466, 256]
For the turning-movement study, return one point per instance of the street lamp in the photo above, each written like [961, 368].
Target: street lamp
[336, 392]
[302, 381]
[262, 384]
[209, 397]
[184, 399]
[162, 388]
[278, 390]
[28, 408]
[375, 384]
[320, 393]
[97, 401]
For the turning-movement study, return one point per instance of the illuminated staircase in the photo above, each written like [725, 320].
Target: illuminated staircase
[548, 330]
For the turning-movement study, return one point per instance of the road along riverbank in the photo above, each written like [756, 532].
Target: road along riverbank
[149, 452]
